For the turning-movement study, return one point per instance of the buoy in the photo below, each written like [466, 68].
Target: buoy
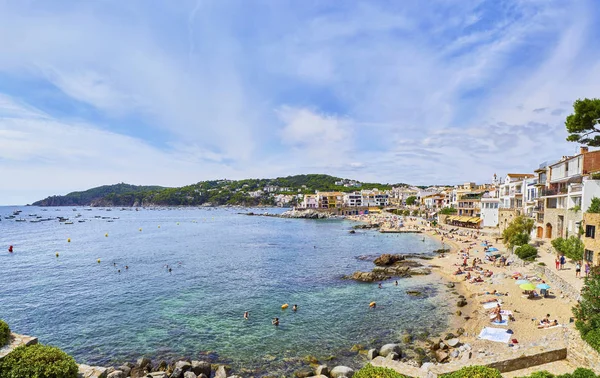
[283, 307]
[159, 226]
[10, 248]
[56, 254]
[140, 229]
[68, 240]
[372, 305]
[178, 223]
[98, 261]
[106, 235]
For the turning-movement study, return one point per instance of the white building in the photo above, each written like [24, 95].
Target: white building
[489, 210]
[353, 199]
[375, 197]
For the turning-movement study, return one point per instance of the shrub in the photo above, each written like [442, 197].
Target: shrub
[474, 372]
[540, 374]
[578, 373]
[39, 361]
[4, 333]
[526, 252]
[370, 371]
[541, 263]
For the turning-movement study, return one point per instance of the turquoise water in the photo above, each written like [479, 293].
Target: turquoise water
[222, 264]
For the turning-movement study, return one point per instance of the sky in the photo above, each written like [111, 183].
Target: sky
[170, 93]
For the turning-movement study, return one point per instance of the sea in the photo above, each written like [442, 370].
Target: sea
[170, 283]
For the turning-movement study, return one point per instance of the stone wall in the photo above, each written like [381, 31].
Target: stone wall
[505, 217]
[592, 244]
[579, 353]
[17, 340]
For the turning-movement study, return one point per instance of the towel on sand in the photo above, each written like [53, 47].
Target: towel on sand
[494, 334]
[490, 305]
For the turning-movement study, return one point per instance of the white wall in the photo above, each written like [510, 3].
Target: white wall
[489, 216]
[591, 189]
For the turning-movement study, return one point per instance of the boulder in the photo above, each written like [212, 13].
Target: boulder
[453, 342]
[189, 374]
[387, 259]
[183, 365]
[341, 371]
[201, 367]
[303, 373]
[125, 369]
[407, 338]
[372, 353]
[390, 348]
[221, 372]
[449, 336]
[450, 285]
[461, 302]
[460, 331]
[86, 371]
[454, 353]
[142, 362]
[234, 376]
[157, 374]
[322, 370]
[138, 372]
[177, 373]
[162, 366]
[441, 356]
[392, 356]
[414, 293]
[202, 376]
[116, 374]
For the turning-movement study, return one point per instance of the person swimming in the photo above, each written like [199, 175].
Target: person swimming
[396, 283]
[275, 321]
[380, 286]
[295, 308]
[10, 249]
[126, 267]
[246, 315]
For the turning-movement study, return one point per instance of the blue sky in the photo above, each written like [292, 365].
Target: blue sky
[174, 92]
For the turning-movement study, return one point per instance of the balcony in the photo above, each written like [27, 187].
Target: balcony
[553, 192]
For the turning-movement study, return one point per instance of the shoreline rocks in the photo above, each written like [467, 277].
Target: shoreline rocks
[390, 266]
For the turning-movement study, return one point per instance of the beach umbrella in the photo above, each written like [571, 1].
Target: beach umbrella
[543, 286]
[493, 249]
[521, 282]
[527, 286]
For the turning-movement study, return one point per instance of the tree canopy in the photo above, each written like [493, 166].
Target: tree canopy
[586, 311]
[582, 125]
[594, 206]
[518, 231]
[571, 247]
[411, 200]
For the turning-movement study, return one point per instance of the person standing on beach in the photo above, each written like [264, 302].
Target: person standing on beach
[557, 263]
[587, 268]
[578, 269]
[563, 261]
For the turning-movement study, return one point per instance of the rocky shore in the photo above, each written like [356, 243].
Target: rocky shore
[390, 266]
[300, 214]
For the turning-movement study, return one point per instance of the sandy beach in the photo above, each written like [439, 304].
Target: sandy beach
[526, 313]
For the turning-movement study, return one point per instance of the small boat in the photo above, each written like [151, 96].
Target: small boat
[69, 222]
[20, 220]
[110, 220]
[81, 221]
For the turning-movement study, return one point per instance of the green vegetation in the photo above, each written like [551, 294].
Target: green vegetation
[448, 211]
[518, 231]
[4, 333]
[38, 361]
[526, 252]
[578, 373]
[250, 192]
[581, 125]
[594, 206]
[586, 311]
[474, 372]
[370, 371]
[571, 247]
[411, 200]
[575, 208]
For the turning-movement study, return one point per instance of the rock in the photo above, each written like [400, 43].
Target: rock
[461, 302]
[322, 370]
[466, 356]
[234, 376]
[177, 373]
[157, 374]
[308, 214]
[110, 369]
[303, 373]
[441, 356]
[201, 367]
[356, 348]
[389, 348]
[460, 331]
[443, 345]
[221, 372]
[414, 293]
[392, 356]
[372, 354]
[387, 259]
[406, 338]
[202, 376]
[458, 313]
[86, 371]
[125, 369]
[454, 353]
[453, 342]
[183, 365]
[419, 271]
[138, 372]
[449, 336]
[312, 360]
[352, 232]
[142, 362]
[450, 285]
[162, 366]
[189, 374]
[341, 371]
[116, 374]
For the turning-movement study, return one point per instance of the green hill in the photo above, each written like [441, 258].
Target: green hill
[248, 192]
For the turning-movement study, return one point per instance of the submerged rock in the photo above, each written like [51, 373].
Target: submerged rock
[322, 370]
[390, 348]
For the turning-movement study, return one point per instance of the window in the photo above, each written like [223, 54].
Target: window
[588, 255]
[590, 231]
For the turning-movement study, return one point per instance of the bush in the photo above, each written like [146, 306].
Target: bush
[4, 333]
[540, 374]
[39, 361]
[474, 372]
[370, 371]
[578, 373]
[526, 252]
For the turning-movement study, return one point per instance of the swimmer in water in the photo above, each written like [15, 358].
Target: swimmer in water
[126, 267]
[295, 308]
[275, 321]
[396, 283]
[380, 286]
[246, 315]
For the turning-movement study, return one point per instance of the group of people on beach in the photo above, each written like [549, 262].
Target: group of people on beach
[561, 260]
